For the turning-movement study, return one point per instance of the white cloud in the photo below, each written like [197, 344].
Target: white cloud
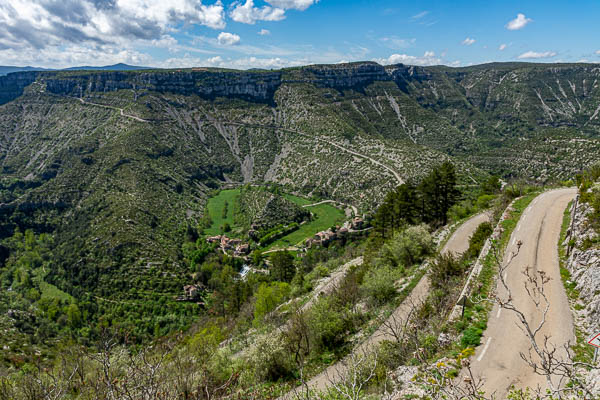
[583, 60]
[502, 47]
[396, 43]
[108, 24]
[428, 58]
[235, 63]
[248, 14]
[468, 41]
[73, 55]
[518, 23]
[420, 15]
[534, 54]
[264, 32]
[292, 4]
[598, 52]
[217, 60]
[228, 39]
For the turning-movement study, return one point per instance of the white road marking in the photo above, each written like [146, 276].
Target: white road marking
[514, 241]
[499, 311]
[518, 227]
[484, 349]
[535, 201]
[505, 275]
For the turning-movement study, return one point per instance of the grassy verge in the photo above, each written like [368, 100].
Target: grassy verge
[582, 351]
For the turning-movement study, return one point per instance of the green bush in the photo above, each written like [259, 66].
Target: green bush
[443, 269]
[478, 239]
[268, 297]
[270, 361]
[378, 284]
[471, 337]
[408, 247]
[484, 201]
[327, 324]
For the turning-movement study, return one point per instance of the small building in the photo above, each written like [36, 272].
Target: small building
[358, 223]
[213, 239]
[242, 250]
[191, 293]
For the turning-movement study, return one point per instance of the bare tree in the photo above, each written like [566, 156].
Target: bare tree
[555, 364]
[353, 374]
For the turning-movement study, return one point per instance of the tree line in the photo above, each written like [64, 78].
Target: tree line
[427, 201]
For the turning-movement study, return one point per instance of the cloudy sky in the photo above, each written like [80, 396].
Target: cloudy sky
[280, 33]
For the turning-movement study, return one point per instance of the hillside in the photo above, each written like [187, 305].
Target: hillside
[118, 165]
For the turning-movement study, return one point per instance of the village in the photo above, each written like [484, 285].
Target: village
[239, 248]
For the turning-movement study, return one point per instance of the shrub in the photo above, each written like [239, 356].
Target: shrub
[378, 284]
[471, 337]
[484, 201]
[478, 239]
[443, 269]
[269, 296]
[270, 361]
[327, 324]
[409, 247]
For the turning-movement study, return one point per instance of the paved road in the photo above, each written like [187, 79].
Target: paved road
[458, 243]
[327, 286]
[497, 361]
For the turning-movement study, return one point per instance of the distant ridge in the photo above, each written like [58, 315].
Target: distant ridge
[4, 70]
[115, 67]
[8, 69]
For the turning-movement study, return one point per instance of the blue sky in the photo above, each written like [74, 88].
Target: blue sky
[279, 33]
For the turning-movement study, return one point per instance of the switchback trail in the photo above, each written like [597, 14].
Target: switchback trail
[344, 149]
[457, 244]
[498, 361]
[112, 108]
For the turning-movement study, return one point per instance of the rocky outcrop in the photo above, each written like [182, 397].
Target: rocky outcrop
[584, 266]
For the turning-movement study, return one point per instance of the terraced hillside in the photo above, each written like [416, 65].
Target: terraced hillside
[118, 165]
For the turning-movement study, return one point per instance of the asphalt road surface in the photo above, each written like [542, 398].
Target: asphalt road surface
[497, 360]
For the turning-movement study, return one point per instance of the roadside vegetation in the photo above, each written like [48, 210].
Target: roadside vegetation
[253, 338]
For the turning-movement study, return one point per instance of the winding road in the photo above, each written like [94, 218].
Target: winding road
[497, 361]
[457, 244]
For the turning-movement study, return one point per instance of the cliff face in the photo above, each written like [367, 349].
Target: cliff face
[345, 76]
[584, 266]
[12, 85]
[207, 84]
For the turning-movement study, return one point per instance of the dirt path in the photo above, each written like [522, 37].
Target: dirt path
[354, 209]
[293, 248]
[458, 243]
[497, 361]
[122, 113]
